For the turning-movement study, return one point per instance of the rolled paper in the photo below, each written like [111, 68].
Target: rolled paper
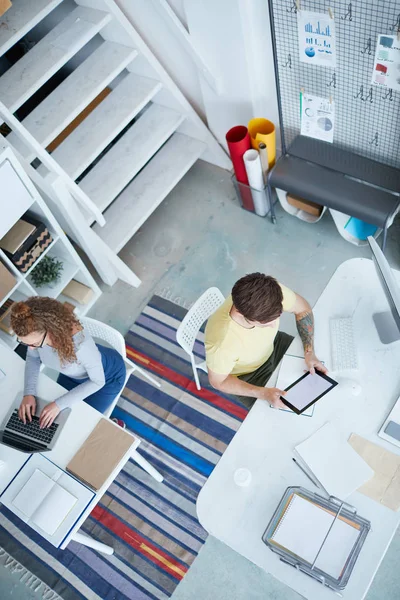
[238, 141]
[262, 130]
[252, 162]
[262, 149]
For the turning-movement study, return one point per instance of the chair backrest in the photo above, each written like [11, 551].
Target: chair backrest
[201, 310]
[105, 333]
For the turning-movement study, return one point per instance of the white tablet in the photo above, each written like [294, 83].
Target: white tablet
[307, 390]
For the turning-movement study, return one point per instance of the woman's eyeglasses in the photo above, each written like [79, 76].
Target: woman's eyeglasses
[33, 345]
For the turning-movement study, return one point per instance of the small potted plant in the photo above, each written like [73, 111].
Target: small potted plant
[47, 272]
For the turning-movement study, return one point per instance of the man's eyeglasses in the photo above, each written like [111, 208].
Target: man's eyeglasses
[33, 345]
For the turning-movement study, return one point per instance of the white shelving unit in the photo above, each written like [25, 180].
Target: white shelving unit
[13, 176]
[130, 151]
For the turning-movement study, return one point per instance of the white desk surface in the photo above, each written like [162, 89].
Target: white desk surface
[238, 516]
[80, 424]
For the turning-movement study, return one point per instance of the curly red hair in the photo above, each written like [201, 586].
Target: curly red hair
[40, 314]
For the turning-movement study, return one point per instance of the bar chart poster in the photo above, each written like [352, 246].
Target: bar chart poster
[316, 38]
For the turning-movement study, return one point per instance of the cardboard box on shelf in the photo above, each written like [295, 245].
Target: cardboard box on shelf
[5, 316]
[71, 307]
[78, 291]
[7, 281]
[16, 236]
[309, 207]
[30, 246]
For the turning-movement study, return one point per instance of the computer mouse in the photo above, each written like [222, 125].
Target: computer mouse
[349, 385]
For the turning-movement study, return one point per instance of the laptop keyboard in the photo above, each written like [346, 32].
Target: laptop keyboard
[32, 428]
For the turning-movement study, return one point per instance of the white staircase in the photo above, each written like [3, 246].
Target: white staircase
[123, 159]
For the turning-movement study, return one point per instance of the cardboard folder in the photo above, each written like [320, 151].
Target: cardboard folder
[98, 456]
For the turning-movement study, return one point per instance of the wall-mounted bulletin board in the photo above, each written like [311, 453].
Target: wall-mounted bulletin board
[367, 113]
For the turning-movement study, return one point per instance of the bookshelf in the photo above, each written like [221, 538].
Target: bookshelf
[20, 197]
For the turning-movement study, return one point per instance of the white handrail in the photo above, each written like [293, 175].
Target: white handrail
[51, 164]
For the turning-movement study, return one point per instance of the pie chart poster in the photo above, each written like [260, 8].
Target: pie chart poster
[317, 41]
[317, 117]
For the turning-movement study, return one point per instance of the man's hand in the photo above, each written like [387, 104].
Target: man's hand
[313, 363]
[27, 408]
[48, 414]
[272, 395]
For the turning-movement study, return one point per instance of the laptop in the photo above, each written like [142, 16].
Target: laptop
[29, 437]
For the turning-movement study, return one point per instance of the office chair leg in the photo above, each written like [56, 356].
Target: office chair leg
[149, 377]
[384, 239]
[196, 375]
[85, 540]
[138, 458]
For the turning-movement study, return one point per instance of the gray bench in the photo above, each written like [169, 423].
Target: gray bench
[339, 179]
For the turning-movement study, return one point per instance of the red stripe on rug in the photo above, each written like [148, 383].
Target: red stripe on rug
[135, 540]
[186, 383]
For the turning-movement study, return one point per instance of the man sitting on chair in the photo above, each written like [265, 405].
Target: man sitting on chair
[243, 344]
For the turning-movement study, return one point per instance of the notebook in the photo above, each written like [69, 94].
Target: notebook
[292, 367]
[332, 461]
[44, 502]
[99, 455]
[303, 528]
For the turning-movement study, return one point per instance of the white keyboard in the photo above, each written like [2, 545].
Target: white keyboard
[343, 348]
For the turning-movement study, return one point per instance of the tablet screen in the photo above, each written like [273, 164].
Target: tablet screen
[307, 390]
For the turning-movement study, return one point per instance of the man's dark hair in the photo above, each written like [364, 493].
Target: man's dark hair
[258, 297]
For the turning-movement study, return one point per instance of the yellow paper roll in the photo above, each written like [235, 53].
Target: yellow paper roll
[262, 130]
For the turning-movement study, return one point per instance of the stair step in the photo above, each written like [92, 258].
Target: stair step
[21, 18]
[142, 196]
[24, 78]
[102, 125]
[73, 95]
[129, 155]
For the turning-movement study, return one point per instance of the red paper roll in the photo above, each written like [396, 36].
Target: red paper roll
[238, 140]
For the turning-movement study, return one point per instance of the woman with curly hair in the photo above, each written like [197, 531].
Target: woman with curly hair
[54, 337]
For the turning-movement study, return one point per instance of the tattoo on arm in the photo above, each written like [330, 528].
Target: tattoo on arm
[305, 327]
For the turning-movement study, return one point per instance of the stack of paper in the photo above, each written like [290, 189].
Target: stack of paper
[45, 503]
[303, 528]
[330, 460]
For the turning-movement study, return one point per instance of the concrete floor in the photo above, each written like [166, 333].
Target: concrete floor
[200, 237]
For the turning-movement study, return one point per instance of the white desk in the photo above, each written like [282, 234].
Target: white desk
[238, 516]
[81, 422]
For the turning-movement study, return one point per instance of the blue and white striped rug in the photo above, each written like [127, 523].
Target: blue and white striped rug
[153, 527]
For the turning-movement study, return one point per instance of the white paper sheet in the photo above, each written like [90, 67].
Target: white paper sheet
[252, 163]
[334, 463]
[33, 493]
[386, 71]
[317, 117]
[317, 39]
[44, 502]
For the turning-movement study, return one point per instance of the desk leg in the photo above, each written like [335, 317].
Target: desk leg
[146, 466]
[85, 540]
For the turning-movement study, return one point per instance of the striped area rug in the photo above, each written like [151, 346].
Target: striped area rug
[152, 527]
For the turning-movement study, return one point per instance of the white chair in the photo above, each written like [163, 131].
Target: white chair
[104, 333]
[201, 310]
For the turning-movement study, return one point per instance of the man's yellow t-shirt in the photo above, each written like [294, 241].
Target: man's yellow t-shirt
[235, 350]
